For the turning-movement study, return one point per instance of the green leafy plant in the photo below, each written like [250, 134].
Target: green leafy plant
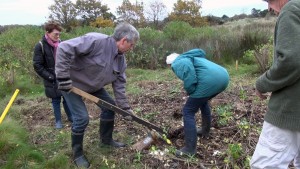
[224, 114]
[138, 156]
[243, 93]
[234, 152]
[244, 126]
[171, 149]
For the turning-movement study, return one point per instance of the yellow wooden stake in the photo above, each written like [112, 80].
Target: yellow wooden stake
[236, 64]
[9, 105]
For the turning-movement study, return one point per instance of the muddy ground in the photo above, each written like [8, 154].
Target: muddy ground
[237, 117]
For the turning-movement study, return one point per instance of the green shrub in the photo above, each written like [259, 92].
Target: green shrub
[262, 56]
[177, 30]
[79, 31]
[150, 51]
[107, 30]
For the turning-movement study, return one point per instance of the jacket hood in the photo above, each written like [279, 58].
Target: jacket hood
[194, 53]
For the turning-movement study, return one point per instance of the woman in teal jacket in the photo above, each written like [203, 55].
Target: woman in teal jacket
[202, 81]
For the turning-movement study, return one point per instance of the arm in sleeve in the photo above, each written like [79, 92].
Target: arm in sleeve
[285, 70]
[39, 64]
[186, 72]
[119, 91]
[69, 50]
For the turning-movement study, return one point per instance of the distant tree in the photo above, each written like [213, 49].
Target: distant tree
[264, 13]
[4, 28]
[187, 11]
[156, 12]
[213, 20]
[225, 17]
[132, 13]
[100, 22]
[238, 17]
[89, 10]
[255, 12]
[64, 12]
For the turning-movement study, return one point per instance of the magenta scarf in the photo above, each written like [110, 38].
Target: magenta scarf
[53, 44]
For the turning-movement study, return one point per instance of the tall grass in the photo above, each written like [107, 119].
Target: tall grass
[15, 151]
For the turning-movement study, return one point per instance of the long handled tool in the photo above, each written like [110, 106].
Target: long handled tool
[116, 109]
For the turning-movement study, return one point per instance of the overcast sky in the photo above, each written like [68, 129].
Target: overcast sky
[36, 12]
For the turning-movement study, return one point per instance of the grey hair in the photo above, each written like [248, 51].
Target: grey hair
[126, 30]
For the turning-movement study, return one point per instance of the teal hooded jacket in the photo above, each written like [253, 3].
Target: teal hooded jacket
[201, 77]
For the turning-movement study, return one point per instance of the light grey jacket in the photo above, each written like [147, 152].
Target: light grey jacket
[91, 62]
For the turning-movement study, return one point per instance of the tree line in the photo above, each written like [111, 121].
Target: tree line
[95, 13]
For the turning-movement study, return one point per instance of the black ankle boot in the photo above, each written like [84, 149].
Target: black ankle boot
[205, 128]
[190, 139]
[78, 157]
[106, 129]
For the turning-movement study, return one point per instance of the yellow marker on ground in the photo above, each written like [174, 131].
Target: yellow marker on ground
[9, 105]
[168, 141]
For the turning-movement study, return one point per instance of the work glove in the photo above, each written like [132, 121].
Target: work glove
[129, 110]
[64, 84]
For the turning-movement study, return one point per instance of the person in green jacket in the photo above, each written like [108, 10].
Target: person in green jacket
[202, 80]
[279, 141]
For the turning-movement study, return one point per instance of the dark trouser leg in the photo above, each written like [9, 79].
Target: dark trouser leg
[57, 112]
[190, 133]
[80, 122]
[67, 110]
[206, 120]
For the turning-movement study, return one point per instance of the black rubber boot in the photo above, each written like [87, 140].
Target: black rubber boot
[205, 128]
[106, 129]
[78, 157]
[190, 138]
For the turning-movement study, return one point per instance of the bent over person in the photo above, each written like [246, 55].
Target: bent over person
[89, 63]
[202, 80]
[279, 141]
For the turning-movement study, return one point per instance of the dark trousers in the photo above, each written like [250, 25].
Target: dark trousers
[191, 107]
[56, 108]
[80, 113]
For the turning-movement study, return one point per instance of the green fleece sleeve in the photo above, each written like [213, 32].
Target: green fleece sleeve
[185, 71]
[286, 64]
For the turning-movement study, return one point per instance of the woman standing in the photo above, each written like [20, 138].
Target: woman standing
[44, 64]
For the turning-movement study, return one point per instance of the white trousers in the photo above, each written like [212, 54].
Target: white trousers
[276, 148]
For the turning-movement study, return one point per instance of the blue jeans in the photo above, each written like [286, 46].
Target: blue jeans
[190, 108]
[80, 113]
[57, 111]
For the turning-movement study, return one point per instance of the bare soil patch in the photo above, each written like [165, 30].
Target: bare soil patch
[160, 105]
